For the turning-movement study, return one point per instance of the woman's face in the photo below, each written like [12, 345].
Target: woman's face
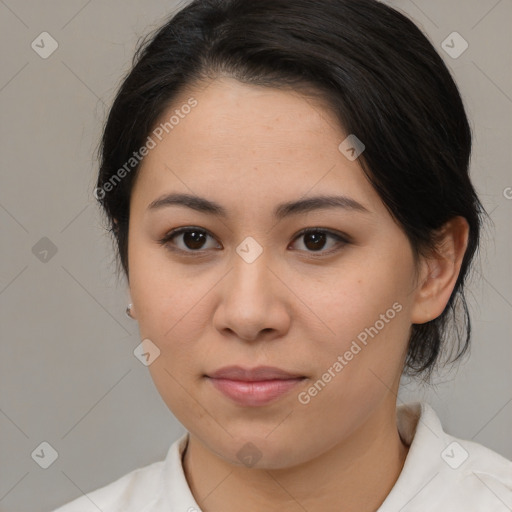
[243, 286]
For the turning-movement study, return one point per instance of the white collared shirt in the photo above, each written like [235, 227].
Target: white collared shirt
[441, 474]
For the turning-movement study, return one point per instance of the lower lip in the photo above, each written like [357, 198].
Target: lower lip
[254, 393]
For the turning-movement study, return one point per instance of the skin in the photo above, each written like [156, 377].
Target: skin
[250, 149]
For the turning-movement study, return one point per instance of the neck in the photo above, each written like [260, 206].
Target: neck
[354, 475]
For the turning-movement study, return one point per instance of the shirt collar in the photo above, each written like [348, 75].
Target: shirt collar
[420, 428]
[175, 492]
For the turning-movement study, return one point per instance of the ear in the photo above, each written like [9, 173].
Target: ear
[440, 270]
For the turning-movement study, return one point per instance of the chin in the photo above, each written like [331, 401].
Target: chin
[253, 452]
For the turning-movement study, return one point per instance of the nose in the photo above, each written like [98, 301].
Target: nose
[254, 302]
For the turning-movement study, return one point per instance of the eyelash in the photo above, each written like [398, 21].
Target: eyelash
[341, 239]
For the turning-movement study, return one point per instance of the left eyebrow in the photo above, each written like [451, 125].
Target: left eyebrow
[318, 203]
[281, 211]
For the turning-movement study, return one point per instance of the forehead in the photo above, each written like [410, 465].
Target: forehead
[243, 138]
[231, 116]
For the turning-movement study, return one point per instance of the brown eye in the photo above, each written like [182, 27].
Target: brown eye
[316, 240]
[189, 239]
[194, 239]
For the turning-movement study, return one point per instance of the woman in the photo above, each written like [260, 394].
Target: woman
[287, 185]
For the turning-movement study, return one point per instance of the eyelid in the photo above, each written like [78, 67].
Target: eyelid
[336, 234]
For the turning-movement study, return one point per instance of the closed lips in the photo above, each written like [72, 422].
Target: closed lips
[257, 374]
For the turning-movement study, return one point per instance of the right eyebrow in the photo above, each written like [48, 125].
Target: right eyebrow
[197, 203]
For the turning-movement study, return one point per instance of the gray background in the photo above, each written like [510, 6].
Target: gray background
[68, 375]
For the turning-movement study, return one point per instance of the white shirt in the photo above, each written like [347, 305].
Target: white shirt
[441, 474]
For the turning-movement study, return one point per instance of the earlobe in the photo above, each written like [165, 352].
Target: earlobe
[130, 311]
[440, 271]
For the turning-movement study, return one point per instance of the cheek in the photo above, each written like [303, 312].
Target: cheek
[356, 297]
[161, 291]
[365, 313]
[174, 310]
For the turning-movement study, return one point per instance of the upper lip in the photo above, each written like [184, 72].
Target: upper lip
[258, 373]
